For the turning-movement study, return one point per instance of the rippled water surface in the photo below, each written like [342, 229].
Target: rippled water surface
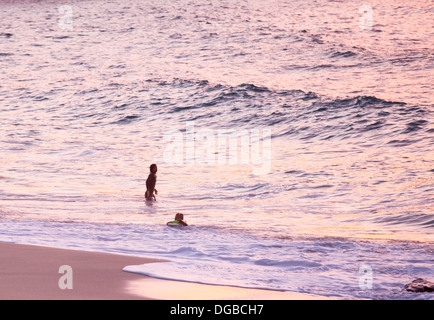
[347, 103]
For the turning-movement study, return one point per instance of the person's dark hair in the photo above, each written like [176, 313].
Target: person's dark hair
[179, 216]
[152, 166]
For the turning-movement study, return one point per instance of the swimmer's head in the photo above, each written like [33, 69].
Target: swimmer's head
[179, 216]
[153, 168]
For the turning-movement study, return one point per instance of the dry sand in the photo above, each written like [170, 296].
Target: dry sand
[32, 272]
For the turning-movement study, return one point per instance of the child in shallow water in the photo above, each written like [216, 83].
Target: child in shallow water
[179, 221]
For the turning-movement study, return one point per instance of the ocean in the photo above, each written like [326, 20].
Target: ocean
[296, 137]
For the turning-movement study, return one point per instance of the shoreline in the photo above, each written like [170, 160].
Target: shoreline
[29, 272]
[32, 272]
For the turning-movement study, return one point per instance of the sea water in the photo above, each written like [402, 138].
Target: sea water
[295, 136]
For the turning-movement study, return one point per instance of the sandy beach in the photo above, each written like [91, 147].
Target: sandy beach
[295, 140]
[32, 272]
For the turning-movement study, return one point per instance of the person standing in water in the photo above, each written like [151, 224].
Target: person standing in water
[151, 182]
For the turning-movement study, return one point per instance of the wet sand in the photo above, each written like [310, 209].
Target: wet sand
[32, 272]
